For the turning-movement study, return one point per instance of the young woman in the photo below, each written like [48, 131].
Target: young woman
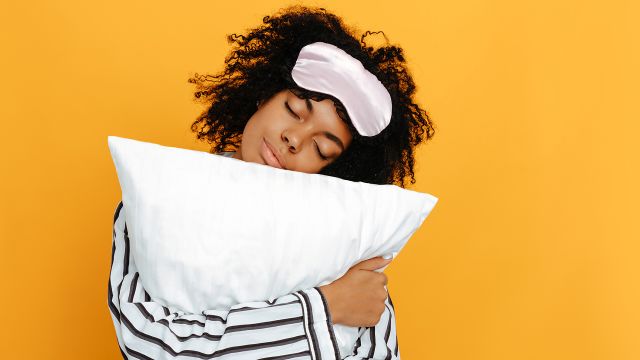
[301, 93]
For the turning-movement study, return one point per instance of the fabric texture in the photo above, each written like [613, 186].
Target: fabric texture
[212, 231]
[293, 326]
[326, 68]
[207, 234]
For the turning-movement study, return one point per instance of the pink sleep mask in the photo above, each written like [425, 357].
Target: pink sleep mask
[328, 69]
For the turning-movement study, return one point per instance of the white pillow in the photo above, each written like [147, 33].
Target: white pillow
[209, 232]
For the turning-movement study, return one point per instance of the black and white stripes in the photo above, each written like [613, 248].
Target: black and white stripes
[294, 326]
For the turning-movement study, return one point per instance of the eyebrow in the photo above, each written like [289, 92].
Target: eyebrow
[334, 138]
[309, 105]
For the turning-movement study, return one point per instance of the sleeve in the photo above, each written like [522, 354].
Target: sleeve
[379, 341]
[295, 325]
[374, 342]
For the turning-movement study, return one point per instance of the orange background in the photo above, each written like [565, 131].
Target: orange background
[531, 252]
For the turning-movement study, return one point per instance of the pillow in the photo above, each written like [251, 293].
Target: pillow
[209, 232]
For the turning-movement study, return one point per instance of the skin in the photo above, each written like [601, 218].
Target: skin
[296, 135]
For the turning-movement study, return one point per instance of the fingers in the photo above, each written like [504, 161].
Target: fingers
[373, 263]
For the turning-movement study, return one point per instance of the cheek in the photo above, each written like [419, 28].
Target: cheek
[256, 128]
[307, 164]
[264, 122]
[250, 128]
[251, 137]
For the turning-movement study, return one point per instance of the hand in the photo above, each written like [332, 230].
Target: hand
[358, 297]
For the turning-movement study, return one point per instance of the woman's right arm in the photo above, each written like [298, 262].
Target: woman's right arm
[295, 324]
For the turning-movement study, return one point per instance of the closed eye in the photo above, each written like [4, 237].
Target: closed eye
[286, 104]
[319, 153]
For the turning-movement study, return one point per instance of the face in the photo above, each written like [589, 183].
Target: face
[305, 135]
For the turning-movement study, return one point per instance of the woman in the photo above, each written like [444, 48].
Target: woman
[351, 116]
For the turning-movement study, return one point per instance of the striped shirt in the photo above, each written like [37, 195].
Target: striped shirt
[294, 326]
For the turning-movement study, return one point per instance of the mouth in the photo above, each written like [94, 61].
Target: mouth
[269, 155]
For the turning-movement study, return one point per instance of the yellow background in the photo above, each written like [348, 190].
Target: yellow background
[532, 252]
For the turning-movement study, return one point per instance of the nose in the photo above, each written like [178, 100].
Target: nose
[295, 135]
[292, 141]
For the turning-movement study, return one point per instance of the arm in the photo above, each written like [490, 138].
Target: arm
[379, 341]
[295, 323]
[374, 342]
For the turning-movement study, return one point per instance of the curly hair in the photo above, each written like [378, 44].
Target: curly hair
[260, 66]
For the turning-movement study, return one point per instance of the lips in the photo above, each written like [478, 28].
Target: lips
[270, 155]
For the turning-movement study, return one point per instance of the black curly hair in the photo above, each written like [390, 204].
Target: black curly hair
[260, 66]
